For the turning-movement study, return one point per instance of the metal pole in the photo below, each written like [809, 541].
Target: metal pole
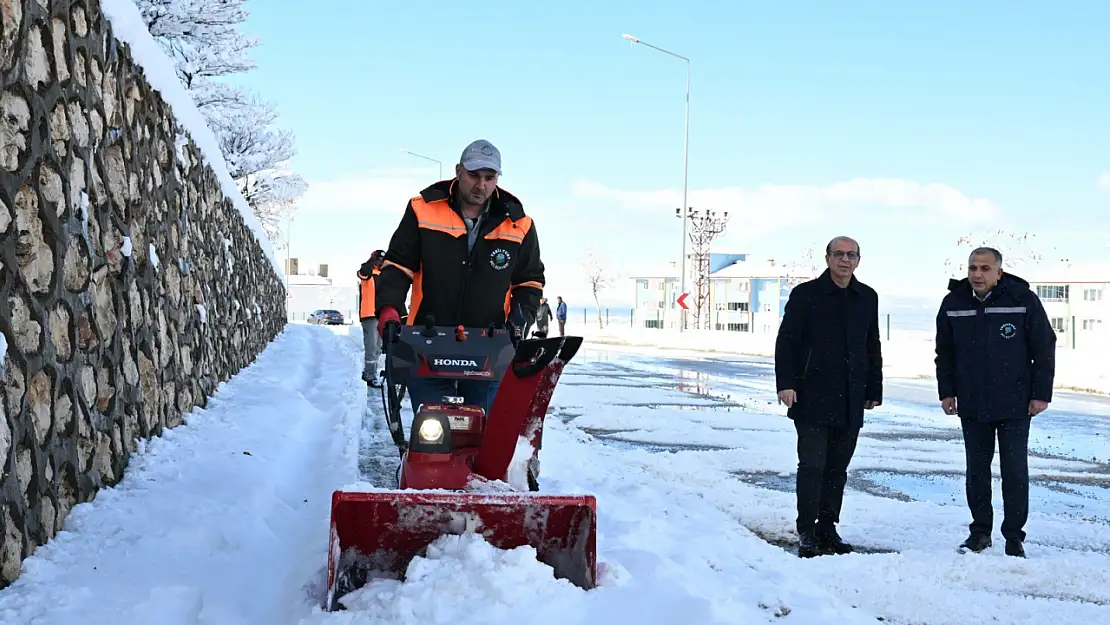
[685, 178]
[685, 171]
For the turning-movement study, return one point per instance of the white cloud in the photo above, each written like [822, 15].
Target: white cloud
[772, 207]
[1104, 180]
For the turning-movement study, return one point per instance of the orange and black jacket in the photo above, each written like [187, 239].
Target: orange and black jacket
[500, 280]
[367, 309]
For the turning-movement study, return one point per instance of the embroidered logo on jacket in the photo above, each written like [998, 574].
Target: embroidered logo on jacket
[499, 259]
[1007, 330]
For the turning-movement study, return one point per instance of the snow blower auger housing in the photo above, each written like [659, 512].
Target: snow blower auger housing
[454, 467]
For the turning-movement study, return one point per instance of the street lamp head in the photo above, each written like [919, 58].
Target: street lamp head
[630, 38]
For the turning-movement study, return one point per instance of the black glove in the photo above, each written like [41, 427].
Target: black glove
[367, 268]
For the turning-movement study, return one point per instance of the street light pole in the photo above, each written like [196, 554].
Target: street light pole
[427, 158]
[685, 167]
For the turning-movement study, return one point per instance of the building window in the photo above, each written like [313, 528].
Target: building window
[1059, 324]
[1092, 324]
[740, 306]
[735, 327]
[642, 284]
[654, 324]
[1053, 292]
[1092, 295]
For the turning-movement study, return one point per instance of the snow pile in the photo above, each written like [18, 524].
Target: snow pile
[221, 521]
[486, 584]
[128, 27]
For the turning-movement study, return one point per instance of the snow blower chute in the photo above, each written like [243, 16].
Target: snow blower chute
[452, 447]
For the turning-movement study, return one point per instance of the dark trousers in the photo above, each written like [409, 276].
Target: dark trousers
[823, 457]
[1013, 456]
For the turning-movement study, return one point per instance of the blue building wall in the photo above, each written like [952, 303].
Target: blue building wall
[770, 291]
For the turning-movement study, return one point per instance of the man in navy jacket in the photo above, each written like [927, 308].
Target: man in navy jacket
[828, 369]
[996, 360]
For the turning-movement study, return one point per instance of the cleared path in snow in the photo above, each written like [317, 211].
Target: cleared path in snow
[222, 520]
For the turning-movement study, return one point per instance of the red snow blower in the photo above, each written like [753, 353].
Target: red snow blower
[453, 473]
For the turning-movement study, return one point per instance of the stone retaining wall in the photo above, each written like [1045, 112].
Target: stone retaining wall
[130, 286]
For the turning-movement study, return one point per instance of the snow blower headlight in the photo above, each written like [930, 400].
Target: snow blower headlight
[431, 434]
[431, 431]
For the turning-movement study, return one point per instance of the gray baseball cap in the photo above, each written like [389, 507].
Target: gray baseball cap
[481, 154]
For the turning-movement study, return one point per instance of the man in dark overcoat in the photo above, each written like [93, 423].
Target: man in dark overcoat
[828, 370]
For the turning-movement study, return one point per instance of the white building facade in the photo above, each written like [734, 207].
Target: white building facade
[314, 289]
[1077, 300]
[1078, 311]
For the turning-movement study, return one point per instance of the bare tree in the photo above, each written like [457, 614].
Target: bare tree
[599, 279]
[1019, 249]
[805, 265]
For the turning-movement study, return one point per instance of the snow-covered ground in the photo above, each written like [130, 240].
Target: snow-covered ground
[907, 354]
[224, 520]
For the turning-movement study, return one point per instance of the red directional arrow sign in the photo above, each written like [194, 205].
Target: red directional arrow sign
[682, 301]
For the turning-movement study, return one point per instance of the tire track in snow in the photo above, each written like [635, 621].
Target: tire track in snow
[221, 520]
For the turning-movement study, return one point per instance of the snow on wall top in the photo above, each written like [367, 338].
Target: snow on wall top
[129, 28]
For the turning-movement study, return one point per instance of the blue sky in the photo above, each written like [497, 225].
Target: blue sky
[808, 120]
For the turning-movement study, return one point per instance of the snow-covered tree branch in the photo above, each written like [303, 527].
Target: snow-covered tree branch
[202, 38]
[1019, 249]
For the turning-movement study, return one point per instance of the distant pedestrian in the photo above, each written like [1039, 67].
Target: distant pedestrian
[996, 361]
[561, 315]
[828, 370]
[367, 315]
[543, 315]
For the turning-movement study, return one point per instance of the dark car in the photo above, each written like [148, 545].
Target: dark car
[326, 317]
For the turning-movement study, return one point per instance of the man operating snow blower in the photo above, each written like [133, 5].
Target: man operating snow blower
[479, 392]
[472, 258]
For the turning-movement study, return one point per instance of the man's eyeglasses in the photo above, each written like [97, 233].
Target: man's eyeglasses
[843, 254]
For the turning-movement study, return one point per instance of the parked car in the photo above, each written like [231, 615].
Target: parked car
[326, 317]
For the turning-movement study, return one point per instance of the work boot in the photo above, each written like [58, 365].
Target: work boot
[975, 543]
[1015, 548]
[829, 542]
[808, 546]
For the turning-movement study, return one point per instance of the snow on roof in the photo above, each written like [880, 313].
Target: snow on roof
[759, 269]
[129, 28]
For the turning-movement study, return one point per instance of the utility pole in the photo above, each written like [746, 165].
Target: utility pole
[705, 226]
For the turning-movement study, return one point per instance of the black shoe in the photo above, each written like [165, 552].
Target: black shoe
[829, 542]
[1015, 548]
[976, 543]
[807, 545]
